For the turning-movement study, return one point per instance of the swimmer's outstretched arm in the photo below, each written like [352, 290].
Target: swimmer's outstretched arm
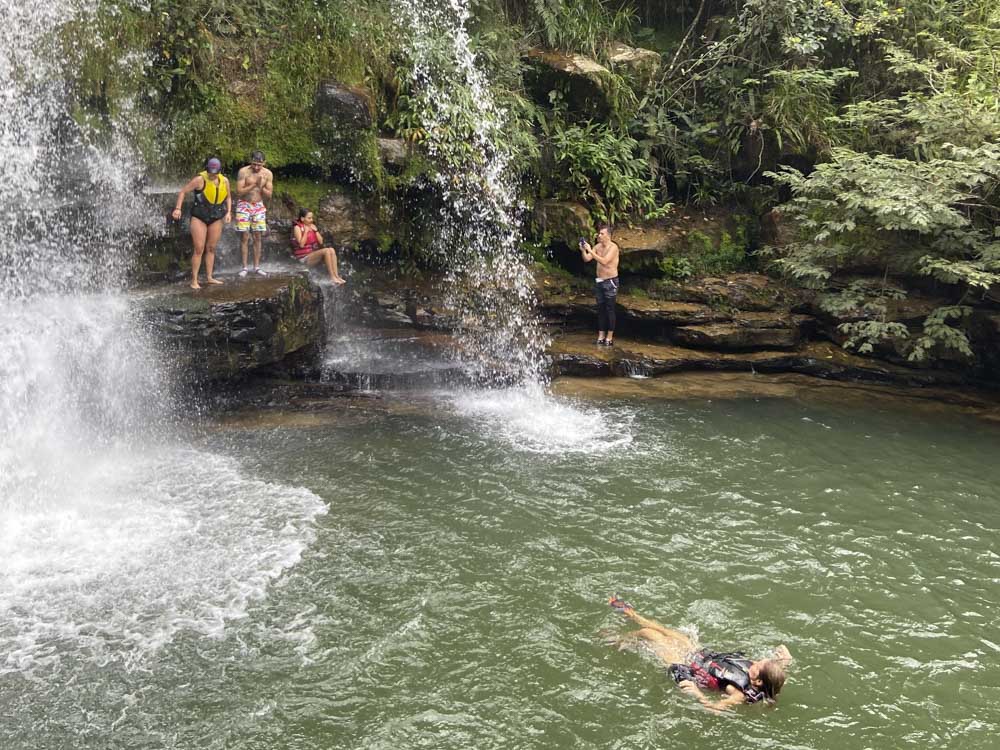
[732, 698]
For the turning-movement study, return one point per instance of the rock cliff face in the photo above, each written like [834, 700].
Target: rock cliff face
[228, 332]
[741, 323]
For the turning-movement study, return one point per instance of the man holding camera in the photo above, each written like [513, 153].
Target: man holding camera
[605, 252]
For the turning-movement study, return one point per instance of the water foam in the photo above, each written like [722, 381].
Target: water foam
[532, 420]
[112, 537]
[144, 547]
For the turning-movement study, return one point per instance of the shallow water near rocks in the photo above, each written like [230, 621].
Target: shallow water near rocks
[452, 596]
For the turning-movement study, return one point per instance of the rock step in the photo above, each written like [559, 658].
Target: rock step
[576, 354]
[690, 324]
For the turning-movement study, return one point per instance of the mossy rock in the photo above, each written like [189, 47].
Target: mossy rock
[583, 81]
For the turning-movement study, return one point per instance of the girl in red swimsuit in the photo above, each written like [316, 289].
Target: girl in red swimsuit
[307, 246]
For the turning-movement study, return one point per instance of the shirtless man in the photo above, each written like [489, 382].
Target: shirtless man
[605, 252]
[254, 183]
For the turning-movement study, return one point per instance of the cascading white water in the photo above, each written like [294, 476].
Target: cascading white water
[113, 534]
[489, 285]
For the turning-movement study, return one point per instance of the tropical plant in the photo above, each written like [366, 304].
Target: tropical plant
[586, 26]
[602, 165]
[935, 218]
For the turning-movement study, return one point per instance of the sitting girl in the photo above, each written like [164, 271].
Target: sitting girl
[307, 246]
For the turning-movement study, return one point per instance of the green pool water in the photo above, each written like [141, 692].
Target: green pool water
[453, 594]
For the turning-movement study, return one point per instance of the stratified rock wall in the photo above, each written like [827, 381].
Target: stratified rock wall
[228, 332]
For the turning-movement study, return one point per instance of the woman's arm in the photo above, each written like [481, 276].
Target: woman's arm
[732, 698]
[192, 185]
[300, 235]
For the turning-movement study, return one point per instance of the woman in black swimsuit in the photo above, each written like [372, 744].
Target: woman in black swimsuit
[211, 209]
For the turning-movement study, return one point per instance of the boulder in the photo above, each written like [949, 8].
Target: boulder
[563, 221]
[641, 63]
[394, 152]
[339, 106]
[746, 291]
[227, 332]
[344, 219]
[583, 81]
[774, 229]
[643, 247]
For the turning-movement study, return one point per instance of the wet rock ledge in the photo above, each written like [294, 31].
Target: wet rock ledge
[226, 332]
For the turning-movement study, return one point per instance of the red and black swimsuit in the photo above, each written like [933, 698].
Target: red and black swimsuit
[309, 240]
[714, 670]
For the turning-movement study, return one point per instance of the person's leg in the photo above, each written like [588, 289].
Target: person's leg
[211, 240]
[258, 249]
[243, 229]
[244, 250]
[258, 225]
[198, 232]
[610, 298]
[645, 623]
[602, 323]
[672, 646]
[330, 256]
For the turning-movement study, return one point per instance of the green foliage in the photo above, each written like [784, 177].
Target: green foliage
[936, 218]
[677, 267]
[302, 192]
[602, 166]
[585, 26]
[799, 102]
[705, 256]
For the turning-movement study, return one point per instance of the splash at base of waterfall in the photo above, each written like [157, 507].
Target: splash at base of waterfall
[148, 542]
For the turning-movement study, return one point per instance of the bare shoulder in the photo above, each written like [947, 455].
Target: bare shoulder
[268, 173]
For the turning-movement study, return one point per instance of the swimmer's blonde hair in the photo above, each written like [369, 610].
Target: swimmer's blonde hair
[772, 675]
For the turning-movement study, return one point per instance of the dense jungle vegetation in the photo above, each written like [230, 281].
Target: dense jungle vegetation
[874, 124]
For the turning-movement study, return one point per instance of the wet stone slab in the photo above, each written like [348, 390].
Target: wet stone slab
[230, 331]
[576, 354]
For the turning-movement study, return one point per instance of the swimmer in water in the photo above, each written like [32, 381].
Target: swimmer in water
[740, 680]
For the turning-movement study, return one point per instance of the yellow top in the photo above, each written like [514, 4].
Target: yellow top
[215, 193]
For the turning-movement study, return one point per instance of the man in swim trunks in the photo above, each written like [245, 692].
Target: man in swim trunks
[740, 680]
[254, 183]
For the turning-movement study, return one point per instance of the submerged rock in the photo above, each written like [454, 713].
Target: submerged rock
[227, 332]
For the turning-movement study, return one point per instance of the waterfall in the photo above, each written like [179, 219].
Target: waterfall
[478, 233]
[114, 534]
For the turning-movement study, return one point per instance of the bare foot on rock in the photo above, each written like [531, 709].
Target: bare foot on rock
[215, 281]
